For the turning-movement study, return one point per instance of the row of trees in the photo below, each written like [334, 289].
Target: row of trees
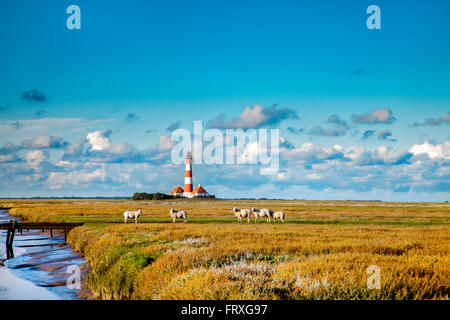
[151, 196]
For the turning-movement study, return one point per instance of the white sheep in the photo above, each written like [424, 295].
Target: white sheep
[181, 214]
[242, 213]
[278, 215]
[132, 215]
[259, 213]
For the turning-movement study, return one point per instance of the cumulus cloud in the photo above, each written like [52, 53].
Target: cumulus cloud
[42, 142]
[340, 127]
[98, 140]
[438, 151]
[104, 150]
[8, 153]
[312, 153]
[34, 95]
[382, 155]
[8, 148]
[435, 121]
[96, 163]
[36, 157]
[165, 143]
[10, 157]
[375, 116]
[255, 117]
[74, 151]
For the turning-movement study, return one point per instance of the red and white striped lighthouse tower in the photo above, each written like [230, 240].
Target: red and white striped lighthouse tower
[188, 176]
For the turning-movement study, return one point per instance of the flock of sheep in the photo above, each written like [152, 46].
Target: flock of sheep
[259, 213]
[239, 213]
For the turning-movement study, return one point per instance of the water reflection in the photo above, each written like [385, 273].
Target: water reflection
[40, 265]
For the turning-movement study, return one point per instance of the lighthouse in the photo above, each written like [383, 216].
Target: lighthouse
[189, 191]
[188, 176]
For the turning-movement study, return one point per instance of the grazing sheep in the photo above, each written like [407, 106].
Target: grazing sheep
[258, 213]
[242, 213]
[278, 215]
[132, 215]
[181, 214]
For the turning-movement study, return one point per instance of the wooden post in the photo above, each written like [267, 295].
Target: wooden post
[7, 238]
[51, 233]
[8, 235]
[13, 233]
[9, 252]
[65, 235]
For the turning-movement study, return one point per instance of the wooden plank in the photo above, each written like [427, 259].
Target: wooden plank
[41, 225]
[49, 225]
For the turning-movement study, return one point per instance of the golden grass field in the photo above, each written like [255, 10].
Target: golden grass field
[322, 251]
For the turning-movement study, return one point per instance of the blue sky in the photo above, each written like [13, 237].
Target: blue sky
[137, 67]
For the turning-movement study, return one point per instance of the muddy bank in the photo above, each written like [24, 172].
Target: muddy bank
[39, 269]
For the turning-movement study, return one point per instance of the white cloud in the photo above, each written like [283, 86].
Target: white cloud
[41, 142]
[104, 150]
[36, 157]
[314, 176]
[165, 143]
[254, 117]
[74, 151]
[105, 167]
[359, 155]
[98, 141]
[59, 179]
[8, 158]
[8, 153]
[311, 152]
[440, 151]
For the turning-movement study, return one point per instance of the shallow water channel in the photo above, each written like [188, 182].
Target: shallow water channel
[39, 269]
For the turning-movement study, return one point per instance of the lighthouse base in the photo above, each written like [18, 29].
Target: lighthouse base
[195, 195]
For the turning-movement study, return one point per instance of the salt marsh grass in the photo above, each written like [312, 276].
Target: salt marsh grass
[322, 251]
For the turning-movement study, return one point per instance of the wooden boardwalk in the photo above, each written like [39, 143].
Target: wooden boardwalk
[12, 226]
